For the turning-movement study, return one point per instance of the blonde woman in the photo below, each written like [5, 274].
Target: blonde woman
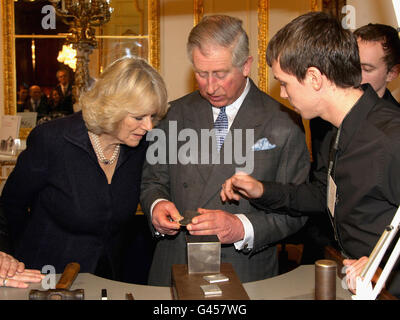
[76, 186]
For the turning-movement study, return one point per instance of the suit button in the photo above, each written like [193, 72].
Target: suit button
[185, 185]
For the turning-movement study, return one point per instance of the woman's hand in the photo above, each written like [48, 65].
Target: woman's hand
[14, 274]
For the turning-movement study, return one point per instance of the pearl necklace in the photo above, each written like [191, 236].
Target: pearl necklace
[99, 151]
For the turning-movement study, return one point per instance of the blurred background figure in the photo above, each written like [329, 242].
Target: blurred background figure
[56, 108]
[22, 97]
[64, 89]
[55, 102]
[37, 102]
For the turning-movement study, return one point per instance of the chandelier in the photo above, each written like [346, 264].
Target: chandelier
[68, 56]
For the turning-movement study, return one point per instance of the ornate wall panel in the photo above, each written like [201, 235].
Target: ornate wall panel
[263, 15]
[9, 58]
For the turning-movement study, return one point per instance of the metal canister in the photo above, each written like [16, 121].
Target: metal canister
[325, 280]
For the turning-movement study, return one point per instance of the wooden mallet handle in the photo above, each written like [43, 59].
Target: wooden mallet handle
[67, 278]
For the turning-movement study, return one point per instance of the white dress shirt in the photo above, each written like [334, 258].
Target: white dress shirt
[34, 105]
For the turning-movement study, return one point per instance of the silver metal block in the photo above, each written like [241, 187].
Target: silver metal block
[204, 254]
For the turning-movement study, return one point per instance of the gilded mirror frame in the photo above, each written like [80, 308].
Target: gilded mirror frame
[7, 18]
[9, 57]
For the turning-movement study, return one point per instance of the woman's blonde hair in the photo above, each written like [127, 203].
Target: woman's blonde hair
[128, 85]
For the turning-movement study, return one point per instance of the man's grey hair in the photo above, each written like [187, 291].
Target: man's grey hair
[223, 31]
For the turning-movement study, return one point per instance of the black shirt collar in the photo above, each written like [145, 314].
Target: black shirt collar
[388, 97]
[357, 115]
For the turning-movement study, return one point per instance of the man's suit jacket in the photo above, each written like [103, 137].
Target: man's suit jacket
[190, 186]
[68, 92]
[42, 108]
[66, 98]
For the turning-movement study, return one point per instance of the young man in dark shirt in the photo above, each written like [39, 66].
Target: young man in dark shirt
[379, 50]
[357, 180]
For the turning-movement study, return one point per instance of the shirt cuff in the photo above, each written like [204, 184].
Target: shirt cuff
[154, 204]
[248, 239]
[158, 234]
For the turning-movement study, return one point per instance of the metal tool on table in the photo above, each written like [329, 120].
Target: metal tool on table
[61, 292]
[104, 295]
[129, 296]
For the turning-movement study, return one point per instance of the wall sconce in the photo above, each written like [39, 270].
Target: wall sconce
[33, 49]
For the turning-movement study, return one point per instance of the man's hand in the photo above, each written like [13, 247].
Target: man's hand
[354, 269]
[14, 274]
[226, 226]
[241, 184]
[165, 217]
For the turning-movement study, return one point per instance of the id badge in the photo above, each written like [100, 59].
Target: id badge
[331, 196]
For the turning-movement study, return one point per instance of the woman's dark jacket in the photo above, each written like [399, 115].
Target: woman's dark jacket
[59, 205]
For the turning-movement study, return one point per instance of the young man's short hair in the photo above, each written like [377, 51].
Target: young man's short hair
[317, 40]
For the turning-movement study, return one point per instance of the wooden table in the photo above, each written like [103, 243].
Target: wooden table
[297, 284]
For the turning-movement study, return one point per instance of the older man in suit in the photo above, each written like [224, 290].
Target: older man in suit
[64, 89]
[189, 178]
[37, 102]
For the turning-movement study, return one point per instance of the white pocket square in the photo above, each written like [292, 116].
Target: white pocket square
[263, 144]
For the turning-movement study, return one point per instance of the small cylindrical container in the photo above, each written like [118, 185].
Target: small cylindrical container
[325, 280]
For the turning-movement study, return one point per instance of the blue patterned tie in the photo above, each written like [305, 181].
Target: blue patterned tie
[221, 127]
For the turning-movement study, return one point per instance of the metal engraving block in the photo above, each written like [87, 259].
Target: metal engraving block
[204, 254]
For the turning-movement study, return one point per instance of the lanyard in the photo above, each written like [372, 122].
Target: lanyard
[333, 154]
[331, 172]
